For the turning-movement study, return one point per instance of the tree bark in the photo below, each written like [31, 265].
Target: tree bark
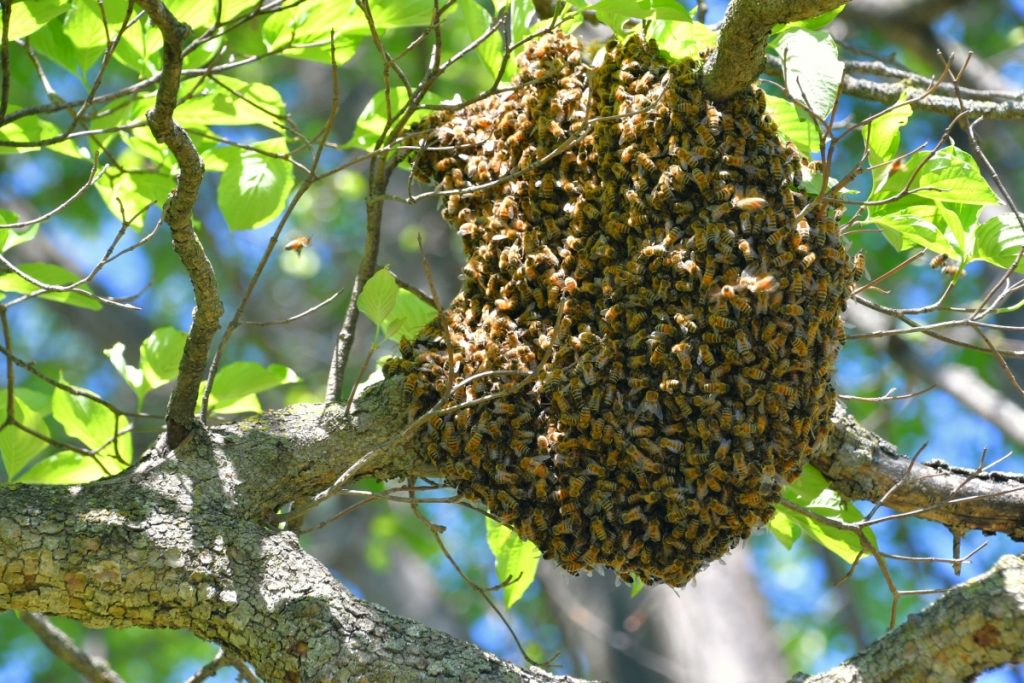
[186, 540]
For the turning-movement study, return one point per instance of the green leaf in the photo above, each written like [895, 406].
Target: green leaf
[810, 490]
[999, 240]
[68, 467]
[373, 119]
[409, 315]
[32, 129]
[514, 558]
[70, 44]
[378, 297]
[952, 175]
[615, 13]
[29, 16]
[305, 30]
[140, 46]
[132, 375]
[236, 385]
[477, 20]
[908, 228]
[795, 124]
[683, 40]
[635, 586]
[9, 237]
[18, 447]
[254, 188]
[230, 101]
[134, 191]
[882, 135]
[91, 422]
[160, 355]
[784, 527]
[812, 24]
[812, 67]
[50, 274]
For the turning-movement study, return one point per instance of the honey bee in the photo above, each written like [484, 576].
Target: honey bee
[749, 203]
[555, 129]
[646, 163]
[794, 310]
[720, 322]
[938, 260]
[633, 514]
[754, 373]
[701, 180]
[858, 266]
[546, 186]
[704, 356]
[651, 404]
[808, 261]
[714, 119]
[298, 244]
[705, 136]
[782, 259]
[787, 197]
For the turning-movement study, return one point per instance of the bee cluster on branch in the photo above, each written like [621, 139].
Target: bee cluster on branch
[675, 322]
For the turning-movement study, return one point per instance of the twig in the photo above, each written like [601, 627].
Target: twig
[92, 669]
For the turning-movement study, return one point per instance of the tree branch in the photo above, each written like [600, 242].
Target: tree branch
[974, 627]
[960, 381]
[175, 544]
[178, 215]
[889, 93]
[740, 56]
[862, 465]
[185, 540]
[92, 669]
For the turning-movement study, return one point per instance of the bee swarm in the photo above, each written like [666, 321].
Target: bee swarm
[668, 327]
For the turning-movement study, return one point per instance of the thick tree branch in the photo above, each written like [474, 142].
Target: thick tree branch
[739, 57]
[178, 215]
[977, 626]
[184, 541]
[176, 544]
[863, 466]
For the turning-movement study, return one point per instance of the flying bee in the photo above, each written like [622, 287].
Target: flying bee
[938, 260]
[858, 266]
[298, 244]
